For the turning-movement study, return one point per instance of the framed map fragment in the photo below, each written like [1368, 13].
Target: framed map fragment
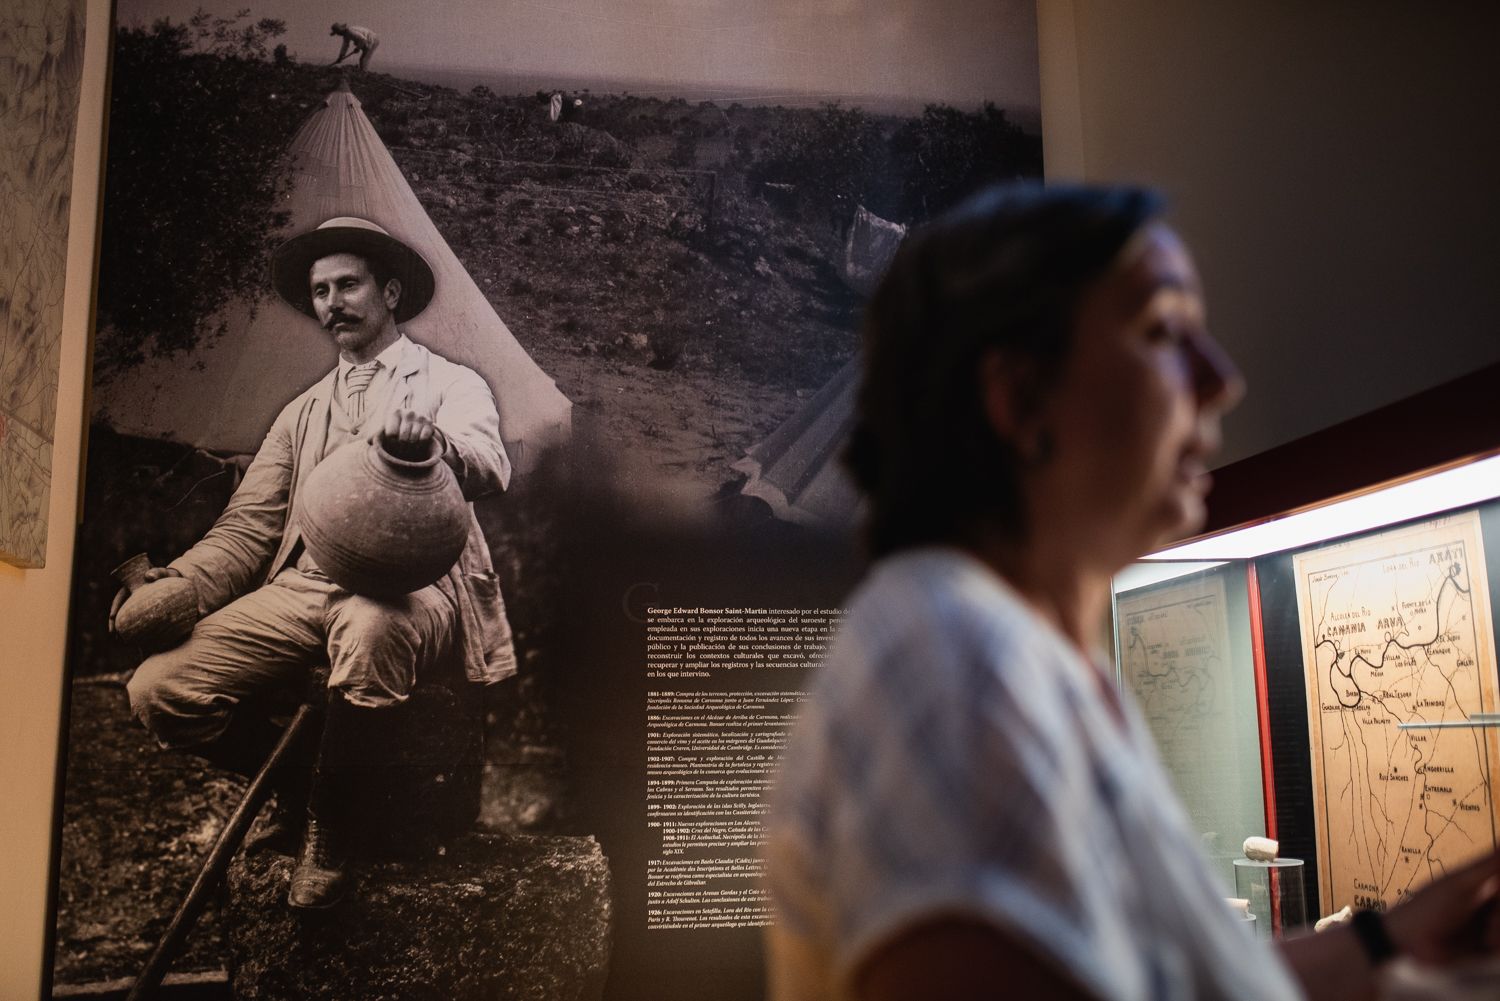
[41, 64]
[1184, 656]
[1396, 628]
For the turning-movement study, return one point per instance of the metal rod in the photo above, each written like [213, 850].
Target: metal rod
[218, 860]
[1443, 724]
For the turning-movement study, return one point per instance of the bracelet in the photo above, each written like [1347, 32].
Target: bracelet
[1369, 929]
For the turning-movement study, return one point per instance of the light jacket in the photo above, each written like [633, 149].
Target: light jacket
[257, 534]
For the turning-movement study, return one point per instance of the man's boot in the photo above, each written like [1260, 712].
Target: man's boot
[322, 877]
[353, 736]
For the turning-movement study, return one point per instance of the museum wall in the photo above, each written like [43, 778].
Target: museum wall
[34, 603]
[1326, 161]
[1333, 167]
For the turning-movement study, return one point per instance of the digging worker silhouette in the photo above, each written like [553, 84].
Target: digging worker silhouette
[355, 39]
[269, 615]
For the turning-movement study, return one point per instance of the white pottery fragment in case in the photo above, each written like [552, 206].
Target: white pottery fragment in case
[1338, 917]
[1261, 849]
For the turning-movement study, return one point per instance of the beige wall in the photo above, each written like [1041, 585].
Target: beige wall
[34, 603]
[1334, 167]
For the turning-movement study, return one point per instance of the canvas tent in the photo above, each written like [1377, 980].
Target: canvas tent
[797, 468]
[224, 396]
[868, 250]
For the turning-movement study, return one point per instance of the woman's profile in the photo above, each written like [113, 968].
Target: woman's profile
[968, 807]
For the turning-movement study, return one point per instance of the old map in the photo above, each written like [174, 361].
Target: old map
[1176, 659]
[1396, 629]
[41, 63]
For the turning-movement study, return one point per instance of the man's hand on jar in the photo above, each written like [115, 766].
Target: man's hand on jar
[409, 431]
[152, 575]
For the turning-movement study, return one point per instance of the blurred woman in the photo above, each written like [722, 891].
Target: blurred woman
[968, 807]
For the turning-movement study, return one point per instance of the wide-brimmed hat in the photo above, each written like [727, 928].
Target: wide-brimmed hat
[292, 260]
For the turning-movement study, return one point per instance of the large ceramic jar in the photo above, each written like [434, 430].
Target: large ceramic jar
[382, 525]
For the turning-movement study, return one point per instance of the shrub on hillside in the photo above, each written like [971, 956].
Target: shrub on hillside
[197, 124]
[835, 157]
[947, 154]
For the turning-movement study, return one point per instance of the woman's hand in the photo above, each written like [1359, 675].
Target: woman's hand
[1456, 916]
[1452, 919]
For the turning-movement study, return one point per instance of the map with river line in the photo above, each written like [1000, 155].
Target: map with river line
[1184, 655]
[41, 64]
[1174, 658]
[1396, 628]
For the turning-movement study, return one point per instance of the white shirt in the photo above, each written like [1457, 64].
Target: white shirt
[387, 361]
[957, 757]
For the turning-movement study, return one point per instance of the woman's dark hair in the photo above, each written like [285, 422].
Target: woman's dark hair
[1005, 269]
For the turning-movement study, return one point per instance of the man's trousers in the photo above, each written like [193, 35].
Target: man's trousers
[260, 647]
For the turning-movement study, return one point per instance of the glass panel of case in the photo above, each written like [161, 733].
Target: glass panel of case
[1340, 696]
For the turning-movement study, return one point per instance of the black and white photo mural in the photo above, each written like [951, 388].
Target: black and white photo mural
[585, 280]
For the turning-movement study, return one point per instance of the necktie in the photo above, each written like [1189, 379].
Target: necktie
[355, 383]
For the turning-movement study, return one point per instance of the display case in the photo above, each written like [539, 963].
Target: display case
[1274, 893]
[1326, 677]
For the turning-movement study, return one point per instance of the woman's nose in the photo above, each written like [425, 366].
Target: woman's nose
[1216, 378]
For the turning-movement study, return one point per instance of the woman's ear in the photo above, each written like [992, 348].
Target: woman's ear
[1009, 392]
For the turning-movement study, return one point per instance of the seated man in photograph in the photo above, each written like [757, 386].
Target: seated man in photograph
[270, 615]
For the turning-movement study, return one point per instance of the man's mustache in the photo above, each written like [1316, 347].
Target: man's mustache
[337, 318]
